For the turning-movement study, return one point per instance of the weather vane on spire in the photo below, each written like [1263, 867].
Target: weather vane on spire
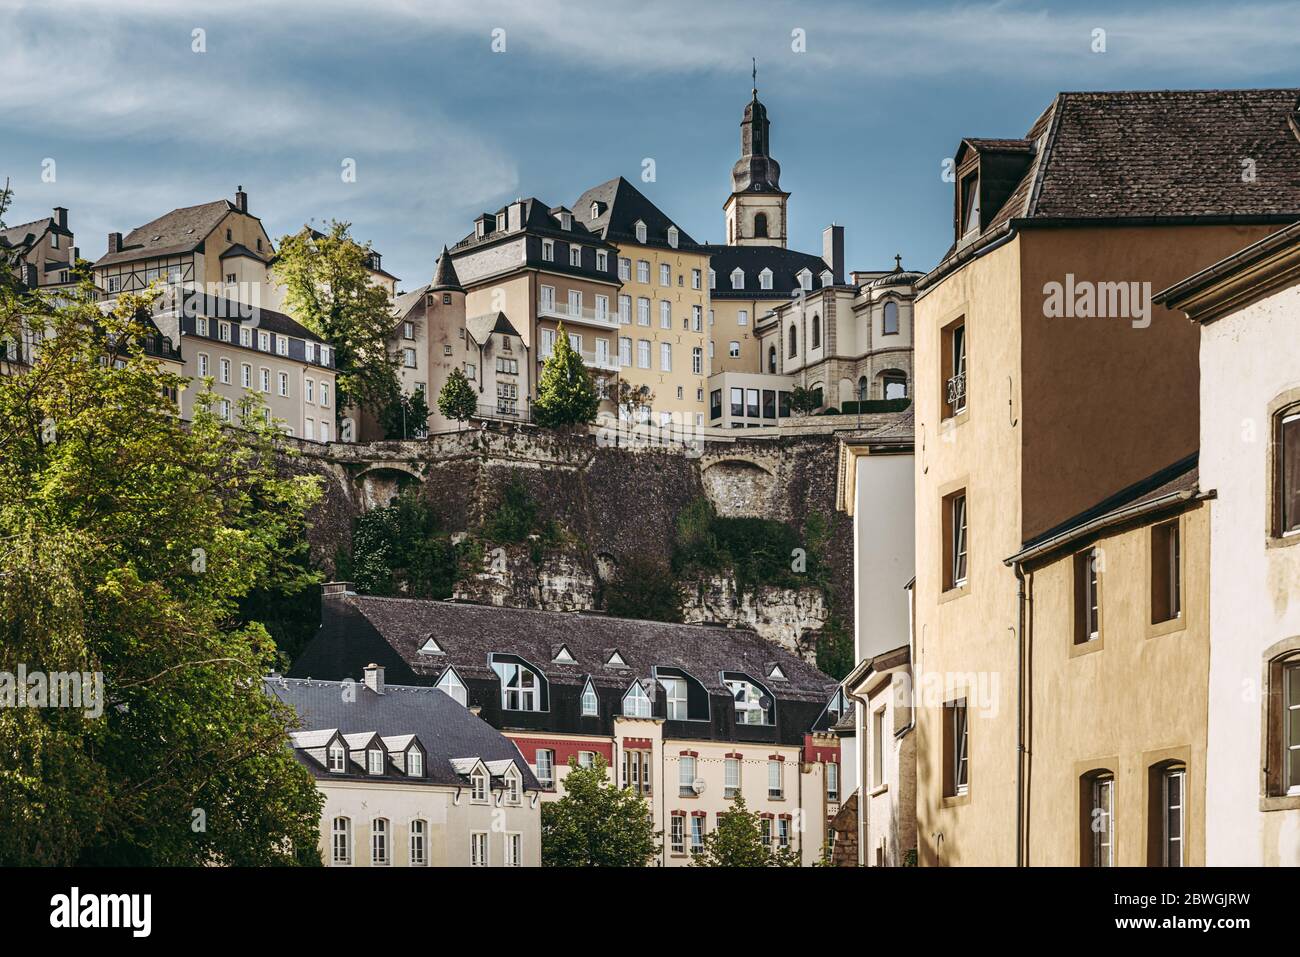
[754, 72]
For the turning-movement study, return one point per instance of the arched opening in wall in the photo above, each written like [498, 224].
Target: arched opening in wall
[771, 359]
[816, 332]
[890, 323]
[794, 340]
[739, 489]
[378, 487]
[893, 384]
[845, 390]
[819, 393]
[760, 225]
[862, 389]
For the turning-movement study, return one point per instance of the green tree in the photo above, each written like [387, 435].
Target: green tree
[633, 398]
[644, 589]
[597, 823]
[457, 400]
[328, 289]
[401, 549]
[127, 541]
[804, 401]
[737, 841]
[405, 416]
[566, 396]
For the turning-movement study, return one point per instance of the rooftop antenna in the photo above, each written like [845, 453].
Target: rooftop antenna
[754, 73]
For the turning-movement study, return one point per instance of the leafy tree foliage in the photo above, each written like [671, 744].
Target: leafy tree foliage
[804, 401]
[457, 400]
[756, 551]
[644, 589]
[566, 396]
[402, 550]
[328, 289]
[597, 823]
[633, 398]
[127, 542]
[405, 416]
[737, 841]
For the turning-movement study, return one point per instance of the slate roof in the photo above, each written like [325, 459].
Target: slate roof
[239, 249]
[1182, 477]
[621, 205]
[1159, 156]
[218, 307]
[784, 263]
[538, 219]
[174, 233]
[444, 274]
[12, 235]
[404, 303]
[447, 731]
[480, 327]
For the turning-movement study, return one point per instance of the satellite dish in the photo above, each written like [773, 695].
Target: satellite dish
[765, 702]
[698, 785]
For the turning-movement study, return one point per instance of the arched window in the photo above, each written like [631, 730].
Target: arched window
[455, 688]
[893, 384]
[419, 847]
[379, 841]
[737, 278]
[816, 332]
[862, 388]
[794, 341]
[590, 704]
[478, 786]
[341, 842]
[760, 225]
[891, 318]
[771, 359]
[522, 688]
[636, 703]
[753, 703]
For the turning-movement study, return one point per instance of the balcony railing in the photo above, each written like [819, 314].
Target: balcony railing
[505, 410]
[957, 393]
[563, 311]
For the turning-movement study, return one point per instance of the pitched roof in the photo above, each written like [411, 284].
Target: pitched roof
[180, 231]
[1173, 483]
[448, 731]
[784, 263]
[404, 303]
[480, 327]
[621, 206]
[12, 235]
[444, 274]
[1158, 156]
[469, 634]
[218, 307]
[539, 219]
[239, 249]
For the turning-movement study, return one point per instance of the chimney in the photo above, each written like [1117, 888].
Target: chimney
[61, 217]
[336, 590]
[241, 200]
[114, 242]
[833, 251]
[375, 678]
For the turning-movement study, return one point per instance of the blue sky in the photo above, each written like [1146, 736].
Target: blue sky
[441, 127]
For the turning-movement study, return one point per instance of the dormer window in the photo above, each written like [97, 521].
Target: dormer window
[765, 279]
[566, 221]
[375, 761]
[805, 279]
[590, 703]
[512, 786]
[713, 279]
[615, 661]
[737, 279]
[828, 278]
[636, 703]
[672, 236]
[753, 704]
[562, 657]
[548, 250]
[640, 231]
[431, 647]
[970, 203]
[414, 763]
[595, 210]
[521, 687]
[453, 687]
[338, 758]
[776, 674]
[478, 787]
[501, 222]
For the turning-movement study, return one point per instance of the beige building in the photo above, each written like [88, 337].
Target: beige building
[48, 254]
[1047, 382]
[410, 778]
[1247, 308]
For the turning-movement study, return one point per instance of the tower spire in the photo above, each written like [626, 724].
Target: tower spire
[753, 72]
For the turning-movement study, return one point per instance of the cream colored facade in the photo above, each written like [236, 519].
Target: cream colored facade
[451, 819]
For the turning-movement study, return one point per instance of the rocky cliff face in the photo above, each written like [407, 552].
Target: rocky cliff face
[790, 617]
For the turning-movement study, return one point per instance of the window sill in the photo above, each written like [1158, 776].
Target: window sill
[954, 420]
[951, 594]
[1080, 648]
[881, 789]
[1282, 541]
[1169, 626]
[956, 800]
[1280, 802]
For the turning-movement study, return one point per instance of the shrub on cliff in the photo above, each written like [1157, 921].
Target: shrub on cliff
[402, 550]
[644, 589]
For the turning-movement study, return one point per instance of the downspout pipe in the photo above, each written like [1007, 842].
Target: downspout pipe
[1020, 713]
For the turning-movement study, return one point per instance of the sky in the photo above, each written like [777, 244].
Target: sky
[447, 110]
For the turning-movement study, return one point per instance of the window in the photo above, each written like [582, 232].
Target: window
[665, 357]
[547, 294]
[878, 747]
[408, 330]
[624, 351]
[266, 380]
[665, 274]
[512, 786]
[624, 269]
[733, 349]
[1283, 719]
[665, 314]
[586, 759]
[676, 698]
[201, 326]
[324, 394]
[686, 776]
[379, 842]
[223, 331]
[602, 260]
[737, 401]
[1099, 824]
[642, 270]
[765, 279]
[575, 302]
[375, 761]
[894, 385]
[478, 787]
[548, 342]
[636, 771]
[748, 697]
[731, 778]
[478, 849]
[224, 366]
[760, 225]
[1166, 573]
[643, 353]
[742, 317]
[324, 355]
[625, 310]
[1173, 815]
[696, 278]
[308, 390]
[775, 786]
[338, 758]
[832, 782]
[1087, 600]
[672, 236]
[595, 210]
[771, 359]
[636, 703]
[751, 403]
[408, 358]
[765, 832]
[890, 324]
[225, 411]
[697, 360]
[955, 745]
[640, 232]
[816, 332]
[956, 541]
[678, 834]
[545, 767]
[246, 375]
[642, 311]
[282, 345]
[794, 341]
[713, 279]
[283, 379]
[548, 250]
[514, 850]
[310, 349]
[970, 204]
[737, 279]
[575, 256]
[341, 841]
[697, 834]
[419, 846]
[519, 687]
[203, 364]
[414, 763]
[602, 308]
[114, 283]
[245, 337]
[954, 359]
[783, 833]
[1287, 442]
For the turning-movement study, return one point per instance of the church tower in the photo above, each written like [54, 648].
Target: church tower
[756, 208]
